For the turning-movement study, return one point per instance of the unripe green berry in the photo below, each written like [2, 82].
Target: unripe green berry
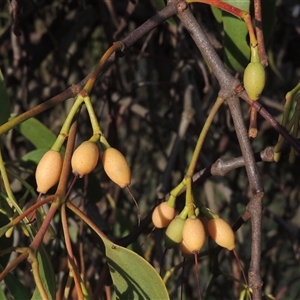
[48, 171]
[173, 234]
[116, 167]
[254, 79]
[85, 158]
[163, 214]
[221, 233]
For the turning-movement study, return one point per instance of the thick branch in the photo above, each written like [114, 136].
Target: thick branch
[227, 82]
[242, 135]
[228, 86]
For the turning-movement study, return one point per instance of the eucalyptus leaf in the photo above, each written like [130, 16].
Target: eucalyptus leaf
[37, 133]
[236, 47]
[132, 275]
[35, 155]
[16, 289]
[47, 275]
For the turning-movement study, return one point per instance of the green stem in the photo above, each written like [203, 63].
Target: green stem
[254, 58]
[64, 132]
[89, 222]
[189, 199]
[24, 214]
[92, 115]
[36, 274]
[202, 136]
[10, 196]
[187, 181]
[174, 193]
[104, 143]
[117, 46]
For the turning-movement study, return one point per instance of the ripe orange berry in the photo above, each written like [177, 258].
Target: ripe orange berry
[116, 167]
[85, 158]
[221, 233]
[183, 248]
[48, 171]
[193, 235]
[162, 215]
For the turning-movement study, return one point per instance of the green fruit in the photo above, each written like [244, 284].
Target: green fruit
[48, 171]
[254, 79]
[173, 234]
[85, 158]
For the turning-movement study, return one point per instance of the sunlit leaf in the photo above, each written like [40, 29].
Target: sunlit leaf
[133, 276]
[236, 47]
[37, 133]
[35, 155]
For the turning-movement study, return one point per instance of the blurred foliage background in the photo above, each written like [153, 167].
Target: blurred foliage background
[141, 102]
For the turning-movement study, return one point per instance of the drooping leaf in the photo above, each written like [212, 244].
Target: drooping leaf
[236, 47]
[132, 275]
[37, 133]
[47, 275]
[16, 289]
[4, 101]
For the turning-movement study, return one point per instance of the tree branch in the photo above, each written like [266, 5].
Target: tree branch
[228, 87]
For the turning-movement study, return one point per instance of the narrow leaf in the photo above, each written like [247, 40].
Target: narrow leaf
[37, 133]
[16, 289]
[47, 275]
[236, 47]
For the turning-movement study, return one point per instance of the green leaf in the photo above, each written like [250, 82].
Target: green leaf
[34, 156]
[37, 133]
[4, 101]
[2, 295]
[47, 275]
[132, 275]
[15, 287]
[236, 48]
[217, 12]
